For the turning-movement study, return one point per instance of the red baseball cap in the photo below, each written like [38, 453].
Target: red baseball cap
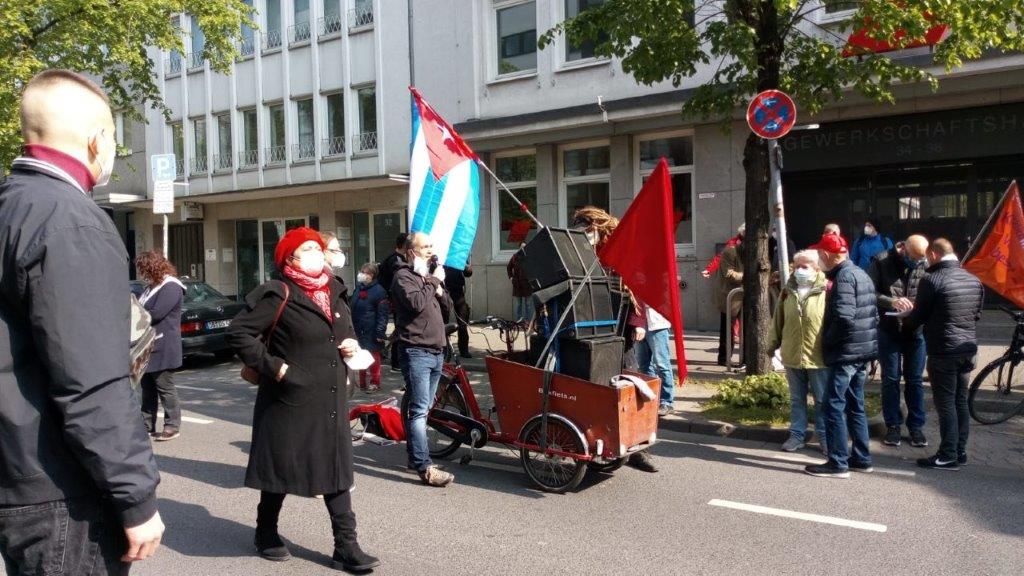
[831, 243]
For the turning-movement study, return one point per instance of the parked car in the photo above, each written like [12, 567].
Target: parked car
[205, 316]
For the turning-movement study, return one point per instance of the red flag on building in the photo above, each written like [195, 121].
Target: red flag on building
[997, 255]
[642, 250]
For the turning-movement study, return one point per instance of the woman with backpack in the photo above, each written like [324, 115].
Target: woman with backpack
[370, 317]
[296, 333]
[162, 299]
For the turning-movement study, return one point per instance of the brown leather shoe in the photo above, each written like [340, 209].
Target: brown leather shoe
[167, 434]
[434, 476]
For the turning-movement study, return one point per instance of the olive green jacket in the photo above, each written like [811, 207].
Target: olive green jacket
[796, 326]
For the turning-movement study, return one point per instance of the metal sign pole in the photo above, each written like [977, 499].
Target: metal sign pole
[167, 251]
[775, 161]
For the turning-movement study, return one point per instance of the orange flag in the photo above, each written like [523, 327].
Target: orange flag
[997, 255]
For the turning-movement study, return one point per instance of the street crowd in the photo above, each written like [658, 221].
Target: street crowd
[76, 452]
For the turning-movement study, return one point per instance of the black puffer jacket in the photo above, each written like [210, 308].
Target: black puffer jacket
[948, 305]
[850, 326]
[894, 278]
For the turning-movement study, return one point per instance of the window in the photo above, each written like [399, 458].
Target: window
[585, 178]
[361, 14]
[174, 60]
[246, 46]
[334, 144]
[249, 155]
[199, 145]
[195, 59]
[300, 29]
[584, 50]
[272, 36]
[330, 23]
[123, 134]
[519, 172]
[678, 151]
[305, 148]
[178, 147]
[517, 38]
[223, 159]
[276, 152]
[367, 98]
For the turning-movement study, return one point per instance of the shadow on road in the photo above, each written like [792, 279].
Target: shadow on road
[213, 473]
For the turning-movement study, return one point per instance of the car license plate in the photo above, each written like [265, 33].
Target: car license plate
[217, 324]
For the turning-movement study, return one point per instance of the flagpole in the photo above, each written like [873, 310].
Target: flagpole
[522, 206]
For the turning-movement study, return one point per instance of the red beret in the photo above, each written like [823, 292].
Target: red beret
[292, 240]
[832, 244]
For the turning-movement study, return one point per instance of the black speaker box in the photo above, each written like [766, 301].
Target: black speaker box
[595, 303]
[596, 360]
[555, 255]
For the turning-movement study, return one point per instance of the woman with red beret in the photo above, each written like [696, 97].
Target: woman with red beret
[296, 333]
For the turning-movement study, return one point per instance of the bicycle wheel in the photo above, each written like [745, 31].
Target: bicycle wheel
[449, 397]
[997, 392]
[553, 473]
[607, 466]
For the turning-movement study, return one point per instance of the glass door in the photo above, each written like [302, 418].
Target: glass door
[255, 241]
[374, 235]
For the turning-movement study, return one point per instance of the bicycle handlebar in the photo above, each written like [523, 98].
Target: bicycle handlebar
[1017, 315]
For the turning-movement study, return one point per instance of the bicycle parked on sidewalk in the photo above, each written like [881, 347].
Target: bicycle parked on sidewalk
[997, 392]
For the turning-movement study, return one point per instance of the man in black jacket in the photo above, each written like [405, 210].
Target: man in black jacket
[387, 275]
[948, 305]
[75, 453]
[421, 304]
[849, 341]
[896, 274]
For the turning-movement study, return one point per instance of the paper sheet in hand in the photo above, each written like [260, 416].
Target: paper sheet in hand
[898, 314]
[360, 360]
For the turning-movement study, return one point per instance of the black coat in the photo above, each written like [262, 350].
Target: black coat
[69, 421]
[420, 314]
[894, 278]
[164, 307]
[948, 305]
[386, 275]
[300, 434]
[370, 313]
[850, 325]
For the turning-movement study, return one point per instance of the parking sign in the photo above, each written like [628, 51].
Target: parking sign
[163, 167]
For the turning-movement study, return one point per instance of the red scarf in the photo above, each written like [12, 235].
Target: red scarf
[314, 286]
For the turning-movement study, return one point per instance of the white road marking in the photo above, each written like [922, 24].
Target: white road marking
[192, 420]
[184, 387]
[799, 515]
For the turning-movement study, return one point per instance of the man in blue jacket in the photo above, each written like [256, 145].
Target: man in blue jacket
[75, 454]
[849, 341]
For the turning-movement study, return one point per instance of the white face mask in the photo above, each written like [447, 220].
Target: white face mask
[869, 231]
[804, 276]
[362, 278]
[592, 237]
[339, 260]
[107, 167]
[420, 266]
[311, 263]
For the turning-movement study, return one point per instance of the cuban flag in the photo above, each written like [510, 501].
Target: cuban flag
[444, 185]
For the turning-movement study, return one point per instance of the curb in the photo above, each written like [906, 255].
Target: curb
[876, 429]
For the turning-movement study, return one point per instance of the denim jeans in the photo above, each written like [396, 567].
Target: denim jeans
[900, 356]
[421, 368]
[845, 411]
[655, 359]
[79, 536]
[801, 381]
[950, 377]
[524, 308]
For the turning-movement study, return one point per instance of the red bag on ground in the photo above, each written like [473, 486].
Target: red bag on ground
[386, 413]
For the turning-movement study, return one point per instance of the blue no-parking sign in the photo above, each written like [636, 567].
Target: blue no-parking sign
[771, 114]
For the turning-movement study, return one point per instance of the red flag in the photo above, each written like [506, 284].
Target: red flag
[642, 250]
[999, 260]
[446, 148]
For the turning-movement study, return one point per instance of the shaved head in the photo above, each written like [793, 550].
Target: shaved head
[917, 246]
[66, 111]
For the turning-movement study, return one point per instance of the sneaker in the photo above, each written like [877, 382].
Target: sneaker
[167, 434]
[642, 461]
[962, 459]
[936, 463]
[271, 547]
[862, 467]
[351, 558]
[917, 439]
[434, 476]
[892, 436]
[665, 410]
[792, 444]
[827, 470]
[372, 388]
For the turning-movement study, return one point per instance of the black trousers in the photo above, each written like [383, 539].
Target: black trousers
[80, 536]
[462, 313]
[158, 388]
[339, 508]
[722, 342]
[950, 378]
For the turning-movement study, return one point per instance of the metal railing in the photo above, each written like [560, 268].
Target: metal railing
[333, 146]
[298, 33]
[276, 155]
[179, 168]
[365, 142]
[248, 158]
[195, 60]
[198, 165]
[222, 162]
[330, 24]
[246, 47]
[304, 151]
[359, 17]
[172, 65]
[271, 40]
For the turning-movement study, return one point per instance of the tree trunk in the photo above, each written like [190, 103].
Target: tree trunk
[757, 314]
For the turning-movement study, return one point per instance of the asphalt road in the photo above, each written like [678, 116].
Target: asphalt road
[717, 507]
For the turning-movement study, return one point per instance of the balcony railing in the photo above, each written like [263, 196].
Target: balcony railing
[359, 17]
[172, 65]
[246, 47]
[198, 165]
[304, 151]
[275, 155]
[195, 60]
[179, 168]
[271, 40]
[299, 33]
[366, 142]
[330, 24]
[333, 146]
[248, 158]
[222, 162]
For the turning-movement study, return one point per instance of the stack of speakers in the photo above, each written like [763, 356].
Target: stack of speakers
[588, 344]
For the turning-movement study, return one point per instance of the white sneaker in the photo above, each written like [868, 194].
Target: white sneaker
[792, 444]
